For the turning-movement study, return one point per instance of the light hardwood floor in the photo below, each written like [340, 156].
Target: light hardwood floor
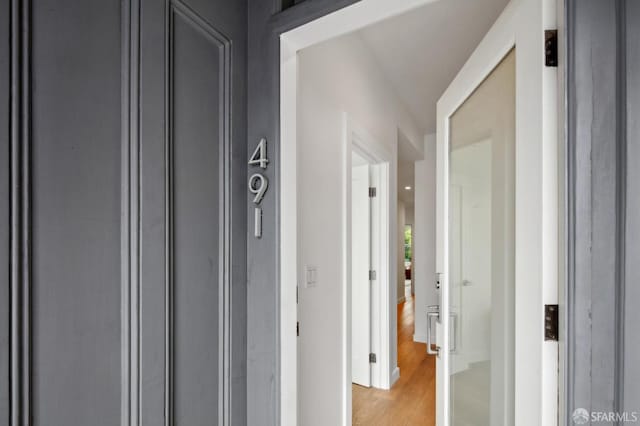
[412, 400]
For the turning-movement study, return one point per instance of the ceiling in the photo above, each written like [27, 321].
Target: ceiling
[422, 51]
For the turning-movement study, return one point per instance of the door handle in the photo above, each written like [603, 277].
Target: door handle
[433, 313]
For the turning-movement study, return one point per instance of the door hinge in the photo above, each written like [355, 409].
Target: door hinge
[551, 48]
[372, 275]
[372, 191]
[297, 328]
[372, 358]
[551, 322]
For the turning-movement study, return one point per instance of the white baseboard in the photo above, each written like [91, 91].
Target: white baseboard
[395, 376]
[420, 338]
[402, 300]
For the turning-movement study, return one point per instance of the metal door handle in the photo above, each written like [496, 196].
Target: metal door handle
[433, 312]
[432, 315]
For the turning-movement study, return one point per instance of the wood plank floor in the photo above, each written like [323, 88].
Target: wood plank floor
[412, 400]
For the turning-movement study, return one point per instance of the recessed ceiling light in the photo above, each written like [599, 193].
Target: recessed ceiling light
[408, 188]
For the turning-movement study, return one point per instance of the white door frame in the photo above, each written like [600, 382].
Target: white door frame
[343, 21]
[521, 24]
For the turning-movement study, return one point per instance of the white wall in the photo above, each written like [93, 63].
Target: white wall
[424, 237]
[408, 214]
[335, 77]
[400, 257]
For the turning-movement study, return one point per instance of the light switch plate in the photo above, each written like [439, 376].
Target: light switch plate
[311, 276]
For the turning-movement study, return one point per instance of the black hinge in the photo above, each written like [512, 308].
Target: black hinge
[372, 192]
[372, 358]
[297, 328]
[551, 48]
[551, 322]
[372, 275]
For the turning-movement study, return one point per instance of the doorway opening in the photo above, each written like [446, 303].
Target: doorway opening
[340, 73]
[408, 258]
[367, 293]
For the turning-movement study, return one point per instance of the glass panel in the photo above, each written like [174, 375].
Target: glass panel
[481, 252]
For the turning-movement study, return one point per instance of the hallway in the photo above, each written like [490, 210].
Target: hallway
[411, 401]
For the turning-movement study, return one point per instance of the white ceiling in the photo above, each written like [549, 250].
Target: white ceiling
[422, 51]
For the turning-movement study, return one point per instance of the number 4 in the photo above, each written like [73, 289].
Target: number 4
[259, 156]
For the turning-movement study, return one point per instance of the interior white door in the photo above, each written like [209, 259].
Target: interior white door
[497, 228]
[360, 285]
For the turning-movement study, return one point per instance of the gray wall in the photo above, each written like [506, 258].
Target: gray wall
[604, 205]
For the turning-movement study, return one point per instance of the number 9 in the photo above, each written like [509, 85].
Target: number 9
[258, 185]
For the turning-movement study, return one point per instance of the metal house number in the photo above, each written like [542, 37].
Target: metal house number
[258, 184]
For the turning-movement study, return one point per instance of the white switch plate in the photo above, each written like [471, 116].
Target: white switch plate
[311, 276]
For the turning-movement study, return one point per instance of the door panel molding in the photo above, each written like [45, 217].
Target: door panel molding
[20, 215]
[51, 197]
[222, 46]
[130, 207]
[101, 264]
[5, 207]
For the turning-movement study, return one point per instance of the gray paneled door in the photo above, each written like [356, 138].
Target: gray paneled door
[122, 179]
